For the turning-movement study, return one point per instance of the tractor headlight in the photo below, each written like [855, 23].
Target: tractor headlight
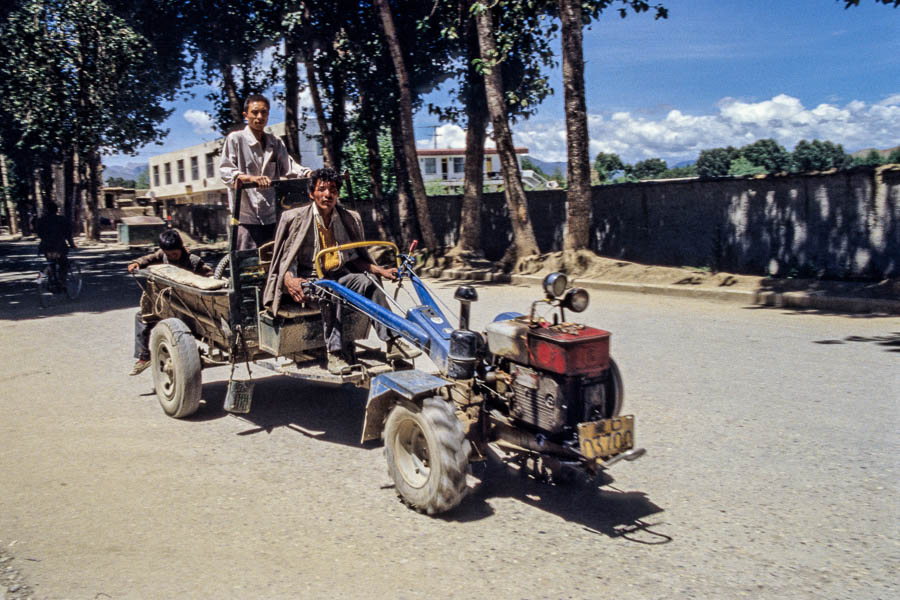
[555, 284]
[576, 300]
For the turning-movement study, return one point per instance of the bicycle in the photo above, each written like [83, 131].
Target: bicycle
[54, 279]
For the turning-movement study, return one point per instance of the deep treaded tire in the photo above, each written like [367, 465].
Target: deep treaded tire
[427, 455]
[176, 368]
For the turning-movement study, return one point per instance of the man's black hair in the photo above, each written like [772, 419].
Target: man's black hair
[51, 208]
[324, 174]
[255, 98]
[169, 239]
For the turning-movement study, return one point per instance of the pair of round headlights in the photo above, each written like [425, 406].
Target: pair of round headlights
[575, 299]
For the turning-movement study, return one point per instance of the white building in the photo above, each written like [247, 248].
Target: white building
[191, 175]
[448, 165]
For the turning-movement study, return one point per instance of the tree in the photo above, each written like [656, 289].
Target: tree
[120, 182]
[573, 15]
[742, 166]
[524, 242]
[651, 168]
[143, 180]
[894, 156]
[872, 159]
[715, 162]
[768, 154]
[406, 124]
[606, 164]
[818, 156]
[849, 3]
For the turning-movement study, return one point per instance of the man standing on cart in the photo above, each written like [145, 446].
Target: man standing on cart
[301, 234]
[251, 155]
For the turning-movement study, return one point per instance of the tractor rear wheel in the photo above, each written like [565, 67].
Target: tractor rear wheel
[175, 362]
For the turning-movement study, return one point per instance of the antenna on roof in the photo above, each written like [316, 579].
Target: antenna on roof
[433, 129]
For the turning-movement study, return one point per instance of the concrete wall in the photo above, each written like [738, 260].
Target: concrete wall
[843, 224]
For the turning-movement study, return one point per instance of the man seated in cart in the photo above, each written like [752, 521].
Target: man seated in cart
[171, 251]
[301, 234]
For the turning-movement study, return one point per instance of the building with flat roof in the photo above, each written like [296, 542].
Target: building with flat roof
[447, 167]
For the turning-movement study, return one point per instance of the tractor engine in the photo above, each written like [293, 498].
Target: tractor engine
[551, 377]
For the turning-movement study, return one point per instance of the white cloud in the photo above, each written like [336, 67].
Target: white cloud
[201, 122]
[678, 136]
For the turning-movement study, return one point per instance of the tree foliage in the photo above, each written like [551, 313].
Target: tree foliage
[818, 156]
[606, 164]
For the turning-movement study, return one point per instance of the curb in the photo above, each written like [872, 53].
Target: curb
[805, 300]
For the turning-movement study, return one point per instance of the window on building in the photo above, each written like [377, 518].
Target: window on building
[459, 164]
[181, 171]
[211, 164]
[168, 169]
[156, 176]
[195, 168]
[430, 166]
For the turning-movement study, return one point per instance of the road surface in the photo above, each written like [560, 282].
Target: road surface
[772, 467]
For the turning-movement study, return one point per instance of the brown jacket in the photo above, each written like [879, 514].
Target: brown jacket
[295, 243]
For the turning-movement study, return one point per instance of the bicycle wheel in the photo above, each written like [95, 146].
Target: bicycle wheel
[73, 280]
[45, 295]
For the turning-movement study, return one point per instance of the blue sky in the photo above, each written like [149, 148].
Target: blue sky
[714, 73]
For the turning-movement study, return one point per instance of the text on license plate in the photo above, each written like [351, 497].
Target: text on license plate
[606, 437]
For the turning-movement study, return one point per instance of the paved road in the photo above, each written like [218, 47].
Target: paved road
[772, 468]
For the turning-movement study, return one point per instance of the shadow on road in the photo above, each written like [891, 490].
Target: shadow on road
[891, 341]
[324, 412]
[597, 506]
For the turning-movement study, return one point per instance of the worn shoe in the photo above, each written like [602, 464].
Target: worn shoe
[337, 364]
[397, 349]
[139, 367]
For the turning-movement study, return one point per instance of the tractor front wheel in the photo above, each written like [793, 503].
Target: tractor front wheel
[427, 454]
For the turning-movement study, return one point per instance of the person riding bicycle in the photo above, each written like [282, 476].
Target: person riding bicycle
[304, 231]
[56, 238]
[171, 251]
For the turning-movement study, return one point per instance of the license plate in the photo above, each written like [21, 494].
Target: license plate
[606, 437]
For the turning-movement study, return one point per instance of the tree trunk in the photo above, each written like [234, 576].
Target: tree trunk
[406, 127]
[468, 246]
[373, 158]
[91, 215]
[291, 94]
[405, 211]
[234, 102]
[578, 194]
[38, 194]
[324, 130]
[11, 211]
[523, 235]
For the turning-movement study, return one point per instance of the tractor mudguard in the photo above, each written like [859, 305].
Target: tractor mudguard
[385, 389]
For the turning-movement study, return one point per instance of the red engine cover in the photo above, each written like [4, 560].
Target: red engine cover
[566, 350]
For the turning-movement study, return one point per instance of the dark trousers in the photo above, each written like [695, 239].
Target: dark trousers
[142, 336]
[333, 314]
[254, 236]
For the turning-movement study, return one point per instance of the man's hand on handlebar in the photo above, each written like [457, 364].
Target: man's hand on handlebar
[294, 287]
[390, 273]
[261, 181]
[132, 267]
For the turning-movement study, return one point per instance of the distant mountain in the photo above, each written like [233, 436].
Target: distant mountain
[129, 170]
[549, 167]
[865, 152]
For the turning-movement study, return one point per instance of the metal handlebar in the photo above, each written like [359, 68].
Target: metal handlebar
[321, 253]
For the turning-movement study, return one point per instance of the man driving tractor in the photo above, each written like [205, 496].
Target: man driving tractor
[301, 234]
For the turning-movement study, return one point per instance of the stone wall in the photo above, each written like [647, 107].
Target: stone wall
[841, 224]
